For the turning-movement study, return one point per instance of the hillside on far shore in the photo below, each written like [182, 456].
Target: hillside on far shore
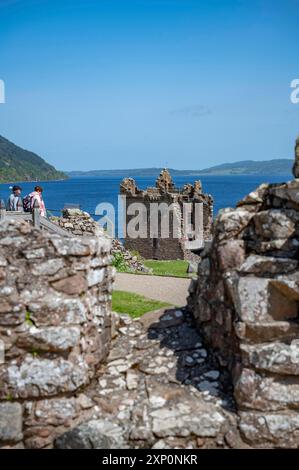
[281, 166]
[17, 164]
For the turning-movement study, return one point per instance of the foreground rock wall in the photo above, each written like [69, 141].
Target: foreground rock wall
[80, 223]
[246, 302]
[55, 307]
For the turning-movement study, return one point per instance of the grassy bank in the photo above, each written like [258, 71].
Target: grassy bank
[176, 268]
[134, 304]
[172, 268]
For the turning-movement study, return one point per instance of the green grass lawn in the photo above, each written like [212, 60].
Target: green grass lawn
[176, 268]
[134, 304]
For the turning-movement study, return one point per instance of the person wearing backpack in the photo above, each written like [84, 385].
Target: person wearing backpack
[29, 201]
[14, 198]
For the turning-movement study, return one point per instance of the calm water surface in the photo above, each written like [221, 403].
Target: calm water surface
[90, 191]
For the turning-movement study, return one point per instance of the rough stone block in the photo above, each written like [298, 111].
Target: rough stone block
[71, 246]
[231, 254]
[48, 268]
[278, 358]
[258, 332]
[270, 429]
[259, 299]
[95, 276]
[181, 420]
[55, 309]
[287, 192]
[263, 265]
[72, 285]
[10, 422]
[53, 412]
[55, 338]
[274, 224]
[95, 434]
[230, 222]
[267, 393]
[39, 377]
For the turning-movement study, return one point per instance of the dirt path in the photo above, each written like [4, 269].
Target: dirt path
[172, 290]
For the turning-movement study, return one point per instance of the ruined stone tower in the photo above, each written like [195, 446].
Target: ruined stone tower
[170, 203]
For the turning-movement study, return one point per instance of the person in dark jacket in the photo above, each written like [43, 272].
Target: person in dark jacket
[14, 198]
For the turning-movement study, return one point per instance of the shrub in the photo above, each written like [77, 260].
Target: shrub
[120, 263]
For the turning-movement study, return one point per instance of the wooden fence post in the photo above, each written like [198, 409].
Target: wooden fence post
[2, 210]
[36, 214]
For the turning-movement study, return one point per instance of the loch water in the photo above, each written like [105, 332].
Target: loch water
[88, 192]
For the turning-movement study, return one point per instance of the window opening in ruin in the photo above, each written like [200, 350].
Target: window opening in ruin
[155, 243]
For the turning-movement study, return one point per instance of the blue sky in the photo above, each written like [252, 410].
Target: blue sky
[94, 84]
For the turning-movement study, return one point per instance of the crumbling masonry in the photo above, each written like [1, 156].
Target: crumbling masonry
[246, 302]
[55, 319]
[165, 192]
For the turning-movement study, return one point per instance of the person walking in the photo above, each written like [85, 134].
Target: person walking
[14, 198]
[29, 201]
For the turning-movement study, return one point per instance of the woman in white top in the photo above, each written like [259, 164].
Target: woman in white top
[36, 195]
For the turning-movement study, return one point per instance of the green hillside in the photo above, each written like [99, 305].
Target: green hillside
[251, 167]
[279, 166]
[17, 164]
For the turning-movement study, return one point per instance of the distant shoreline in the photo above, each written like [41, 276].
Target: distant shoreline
[247, 167]
[284, 176]
[34, 181]
[288, 174]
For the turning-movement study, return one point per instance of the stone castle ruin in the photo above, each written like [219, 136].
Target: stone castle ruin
[179, 244]
[221, 373]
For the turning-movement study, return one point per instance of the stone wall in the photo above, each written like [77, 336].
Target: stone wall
[246, 302]
[158, 248]
[55, 321]
[165, 192]
[80, 223]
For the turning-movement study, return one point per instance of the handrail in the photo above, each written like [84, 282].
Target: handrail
[54, 228]
[33, 217]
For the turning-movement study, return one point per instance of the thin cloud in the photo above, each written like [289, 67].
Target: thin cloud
[195, 111]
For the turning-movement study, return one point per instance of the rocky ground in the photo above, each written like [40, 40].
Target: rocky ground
[159, 389]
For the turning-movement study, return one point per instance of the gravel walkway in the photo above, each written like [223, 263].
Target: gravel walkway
[172, 290]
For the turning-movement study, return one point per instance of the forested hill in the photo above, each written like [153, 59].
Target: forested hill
[281, 166]
[17, 164]
[251, 167]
